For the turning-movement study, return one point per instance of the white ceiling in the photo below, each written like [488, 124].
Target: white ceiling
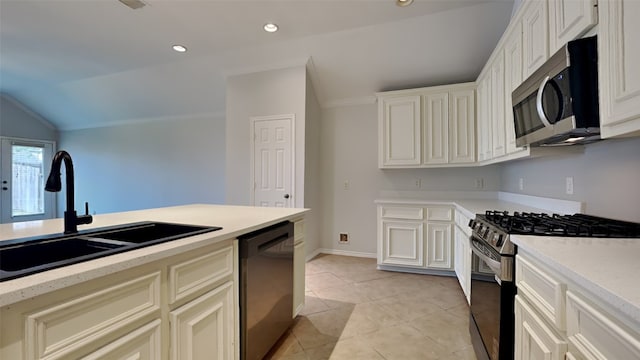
[88, 63]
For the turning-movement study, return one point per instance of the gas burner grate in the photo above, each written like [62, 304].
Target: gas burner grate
[561, 225]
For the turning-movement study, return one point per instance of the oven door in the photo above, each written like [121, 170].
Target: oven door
[492, 319]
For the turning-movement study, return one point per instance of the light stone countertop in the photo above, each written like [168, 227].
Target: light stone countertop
[606, 268]
[234, 220]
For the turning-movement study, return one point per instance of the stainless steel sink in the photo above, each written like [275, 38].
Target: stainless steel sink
[27, 256]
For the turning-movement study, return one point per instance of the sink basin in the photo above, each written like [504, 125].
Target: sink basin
[48, 252]
[152, 232]
[27, 256]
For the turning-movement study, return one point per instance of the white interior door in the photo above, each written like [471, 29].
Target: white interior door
[24, 167]
[273, 161]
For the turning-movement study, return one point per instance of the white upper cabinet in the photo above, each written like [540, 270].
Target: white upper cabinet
[619, 73]
[512, 79]
[484, 118]
[535, 35]
[462, 125]
[497, 105]
[399, 131]
[568, 20]
[436, 128]
[427, 127]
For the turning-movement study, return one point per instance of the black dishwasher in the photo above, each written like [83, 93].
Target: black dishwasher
[266, 288]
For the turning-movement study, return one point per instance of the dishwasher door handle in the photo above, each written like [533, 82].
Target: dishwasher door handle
[258, 241]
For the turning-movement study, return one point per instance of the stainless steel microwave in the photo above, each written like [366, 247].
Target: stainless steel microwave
[558, 104]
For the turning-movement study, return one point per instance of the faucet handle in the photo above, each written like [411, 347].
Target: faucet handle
[86, 218]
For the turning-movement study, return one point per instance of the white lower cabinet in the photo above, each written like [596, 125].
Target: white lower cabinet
[203, 328]
[593, 334]
[123, 315]
[534, 339]
[557, 319]
[415, 237]
[462, 263]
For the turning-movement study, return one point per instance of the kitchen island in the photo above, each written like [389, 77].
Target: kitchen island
[155, 302]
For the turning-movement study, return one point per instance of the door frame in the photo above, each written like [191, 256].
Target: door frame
[252, 137]
[53, 199]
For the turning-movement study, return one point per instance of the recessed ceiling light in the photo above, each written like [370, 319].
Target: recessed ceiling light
[270, 27]
[179, 48]
[404, 2]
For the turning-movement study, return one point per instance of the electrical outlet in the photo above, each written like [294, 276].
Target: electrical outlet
[521, 184]
[346, 184]
[418, 183]
[569, 185]
[344, 238]
[479, 183]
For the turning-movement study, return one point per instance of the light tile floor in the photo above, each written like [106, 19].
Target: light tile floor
[354, 311]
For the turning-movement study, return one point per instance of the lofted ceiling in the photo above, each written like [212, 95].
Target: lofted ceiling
[90, 63]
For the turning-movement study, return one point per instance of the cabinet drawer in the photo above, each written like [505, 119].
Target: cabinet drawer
[542, 290]
[402, 212]
[190, 278]
[439, 214]
[595, 335]
[57, 331]
[143, 344]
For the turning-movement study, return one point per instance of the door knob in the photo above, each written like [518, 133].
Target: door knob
[286, 196]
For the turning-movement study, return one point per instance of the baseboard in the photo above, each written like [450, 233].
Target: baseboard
[340, 252]
[417, 270]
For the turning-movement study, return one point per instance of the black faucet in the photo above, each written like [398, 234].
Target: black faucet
[54, 184]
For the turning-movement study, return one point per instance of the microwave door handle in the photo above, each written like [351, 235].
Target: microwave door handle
[541, 114]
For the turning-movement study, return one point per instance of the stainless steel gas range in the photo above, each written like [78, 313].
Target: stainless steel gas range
[492, 318]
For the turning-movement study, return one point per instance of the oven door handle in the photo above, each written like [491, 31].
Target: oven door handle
[493, 264]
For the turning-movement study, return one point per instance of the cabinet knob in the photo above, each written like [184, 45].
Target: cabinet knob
[286, 196]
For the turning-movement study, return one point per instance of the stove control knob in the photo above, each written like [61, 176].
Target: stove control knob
[472, 223]
[486, 233]
[496, 239]
[500, 240]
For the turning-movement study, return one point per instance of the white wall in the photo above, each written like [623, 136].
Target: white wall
[605, 177]
[313, 196]
[265, 93]
[147, 165]
[18, 121]
[349, 153]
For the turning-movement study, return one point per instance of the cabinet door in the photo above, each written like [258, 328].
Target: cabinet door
[204, 328]
[535, 35]
[534, 339]
[402, 243]
[439, 246]
[568, 20]
[497, 105]
[512, 79]
[462, 262]
[400, 131]
[484, 118]
[619, 74]
[436, 128]
[462, 124]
